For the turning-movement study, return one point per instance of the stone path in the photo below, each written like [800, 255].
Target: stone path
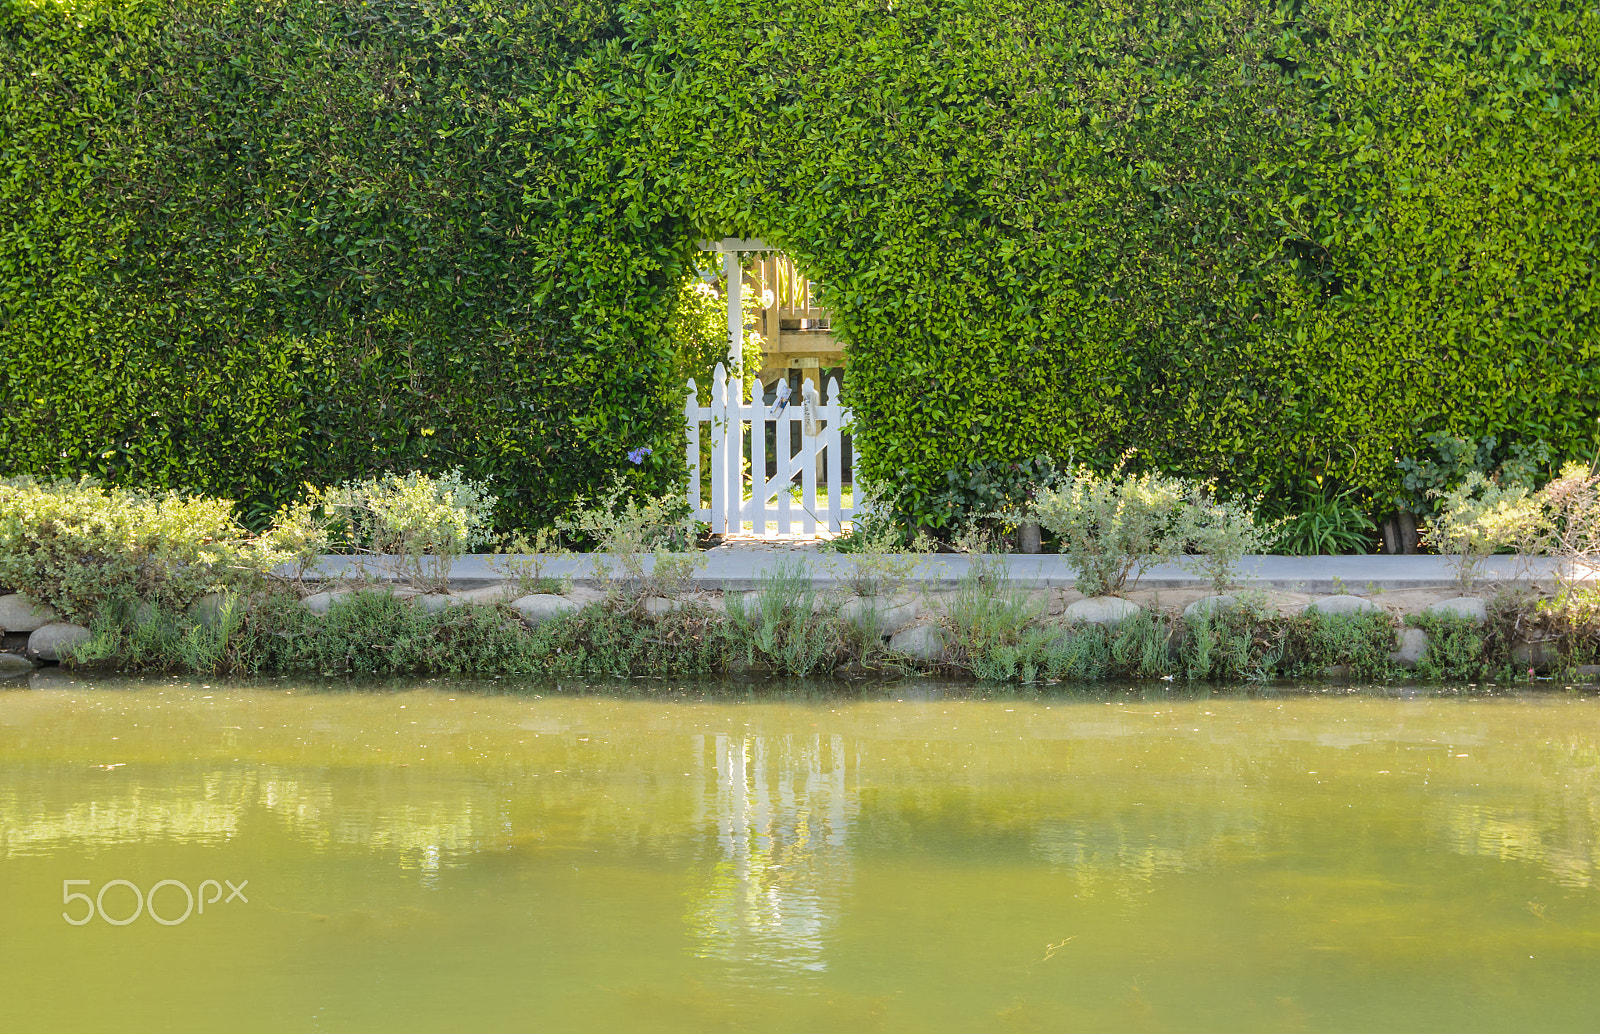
[754, 544]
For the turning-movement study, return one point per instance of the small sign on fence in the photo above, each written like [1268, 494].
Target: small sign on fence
[809, 425]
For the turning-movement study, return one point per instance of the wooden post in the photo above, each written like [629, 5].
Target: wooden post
[770, 328]
[734, 279]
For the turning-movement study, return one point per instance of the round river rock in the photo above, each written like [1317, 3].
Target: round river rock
[1342, 605]
[49, 641]
[20, 614]
[1101, 610]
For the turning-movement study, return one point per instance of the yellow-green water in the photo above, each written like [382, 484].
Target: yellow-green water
[438, 857]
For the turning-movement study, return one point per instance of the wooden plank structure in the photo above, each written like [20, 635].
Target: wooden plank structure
[796, 332]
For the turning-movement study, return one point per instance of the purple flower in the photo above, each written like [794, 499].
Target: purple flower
[637, 456]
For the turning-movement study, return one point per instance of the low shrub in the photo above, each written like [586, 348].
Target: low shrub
[877, 529]
[1218, 535]
[1572, 532]
[1141, 645]
[416, 523]
[1450, 459]
[611, 640]
[986, 496]
[1479, 517]
[521, 559]
[1241, 642]
[626, 528]
[1081, 656]
[877, 561]
[139, 636]
[381, 633]
[1456, 649]
[993, 629]
[1314, 642]
[787, 628]
[1112, 526]
[74, 545]
[1325, 524]
[1570, 621]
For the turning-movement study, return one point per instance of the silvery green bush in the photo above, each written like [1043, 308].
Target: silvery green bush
[626, 527]
[1219, 534]
[1111, 526]
[73, 544]
[1479, 517]
[416, 522]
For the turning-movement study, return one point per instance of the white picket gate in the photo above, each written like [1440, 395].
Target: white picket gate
[768, 508]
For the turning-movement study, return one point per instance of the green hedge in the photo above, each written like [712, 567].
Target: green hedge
[1259, 242]
[249, 245]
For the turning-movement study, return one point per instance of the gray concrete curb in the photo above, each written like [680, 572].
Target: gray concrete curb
[742, 569]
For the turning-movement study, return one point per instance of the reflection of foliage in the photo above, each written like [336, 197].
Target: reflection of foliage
[785, 625]
[1112, 797]
[309, 809]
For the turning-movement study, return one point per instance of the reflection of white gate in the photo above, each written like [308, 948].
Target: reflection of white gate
[770, 508]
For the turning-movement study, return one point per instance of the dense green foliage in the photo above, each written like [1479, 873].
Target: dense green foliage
[245, 246]
[73, 545]
[1261, 242]
[993, 634]
[249, 245]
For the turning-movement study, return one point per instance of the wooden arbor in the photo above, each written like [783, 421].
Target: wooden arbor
[797, 333]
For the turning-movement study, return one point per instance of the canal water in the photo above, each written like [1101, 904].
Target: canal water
[177, 855]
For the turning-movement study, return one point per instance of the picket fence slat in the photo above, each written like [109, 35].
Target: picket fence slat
[835, 453]
[808, 467]
[758, 458]
[719, 449]
[785, 475]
